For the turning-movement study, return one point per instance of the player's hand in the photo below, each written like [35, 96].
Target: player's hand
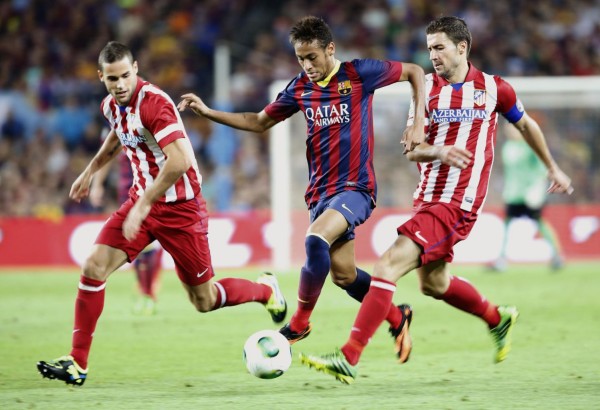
[96, 195]
[193, 102]
[81, 187]
[412, 137]
[134, 219]
[559, 182]
[455, 156]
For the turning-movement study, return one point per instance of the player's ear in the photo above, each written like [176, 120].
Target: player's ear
[331, 49]
[135, 67]
[100, 76]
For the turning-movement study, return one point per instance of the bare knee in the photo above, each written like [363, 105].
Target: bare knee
[430, 289]
[95, 268]
[343, 280]
[203, 298]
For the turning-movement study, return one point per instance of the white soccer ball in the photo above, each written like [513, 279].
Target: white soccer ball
[267, 354]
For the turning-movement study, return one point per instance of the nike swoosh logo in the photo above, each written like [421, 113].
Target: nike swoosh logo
[418, 235]
[201, 274]
[306, 93]
[347, 209]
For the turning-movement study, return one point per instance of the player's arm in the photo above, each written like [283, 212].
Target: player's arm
[447, 154]
[534, 136]
[97, 187]
[110, 149]
[248, 121]
[176, 164]
[414, 134]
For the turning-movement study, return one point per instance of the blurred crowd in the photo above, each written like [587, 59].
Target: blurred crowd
[50, 122]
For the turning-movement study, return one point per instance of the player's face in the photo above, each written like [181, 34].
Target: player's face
[120, 79]
[317, 62]
[446, 56]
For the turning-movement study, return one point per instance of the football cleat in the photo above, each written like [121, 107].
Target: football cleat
[64, 368]
[402, 339]
[334, 364]
[276, 305]
[502, 334]
[294, 337]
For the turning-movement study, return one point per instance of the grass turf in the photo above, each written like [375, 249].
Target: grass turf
[182, 359]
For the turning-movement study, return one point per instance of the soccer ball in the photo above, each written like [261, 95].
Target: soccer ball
[267, 354]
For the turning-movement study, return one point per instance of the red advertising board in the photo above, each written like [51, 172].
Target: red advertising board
[241, 239]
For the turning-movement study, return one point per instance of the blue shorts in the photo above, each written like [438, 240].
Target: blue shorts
[356, 206]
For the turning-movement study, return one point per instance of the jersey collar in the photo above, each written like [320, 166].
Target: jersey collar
[336, 68]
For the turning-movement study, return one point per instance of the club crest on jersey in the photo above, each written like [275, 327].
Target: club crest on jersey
[479, 97]
[345, 87]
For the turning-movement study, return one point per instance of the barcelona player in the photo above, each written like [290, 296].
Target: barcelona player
[455, 161]
[165, 204]
[336, 100]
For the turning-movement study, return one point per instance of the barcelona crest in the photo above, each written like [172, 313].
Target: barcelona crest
[344, 87]
[479, 97]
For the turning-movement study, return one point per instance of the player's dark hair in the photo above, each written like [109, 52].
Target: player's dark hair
[454, 27]
[114, 51]
[311, 28]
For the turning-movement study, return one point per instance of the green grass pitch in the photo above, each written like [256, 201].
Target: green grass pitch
[181, 359]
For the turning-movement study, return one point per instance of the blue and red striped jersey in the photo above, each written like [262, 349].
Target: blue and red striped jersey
[339, 117]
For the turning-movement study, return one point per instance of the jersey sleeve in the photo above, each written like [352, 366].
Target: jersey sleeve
[377, 73]
[159, 117]
[285, 104]
[508, 104]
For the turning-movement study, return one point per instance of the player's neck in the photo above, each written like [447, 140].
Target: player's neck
[460, 75]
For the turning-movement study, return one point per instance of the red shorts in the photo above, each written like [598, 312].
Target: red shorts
[181, 228]
[436, 227]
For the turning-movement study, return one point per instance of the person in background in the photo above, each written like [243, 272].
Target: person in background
[165, 204]
[524, 194]
[455, 163]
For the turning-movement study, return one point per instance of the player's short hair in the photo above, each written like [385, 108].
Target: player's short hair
[454, 27]
[114, 51]
[309, 29]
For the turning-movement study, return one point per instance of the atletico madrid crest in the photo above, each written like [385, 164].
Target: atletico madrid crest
[344, 87]
[479, 97]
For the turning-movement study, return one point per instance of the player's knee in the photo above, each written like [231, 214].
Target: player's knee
[94, 268]
[430, 289]
[202, 304]
[342, 280]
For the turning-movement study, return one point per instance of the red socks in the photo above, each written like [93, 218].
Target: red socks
[235, 291]
[462, 295]
[88, 307]
[372, 313]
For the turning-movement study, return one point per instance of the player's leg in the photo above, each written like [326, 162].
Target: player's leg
[325, 228]
[109, 253]
[72, 368]
[186, 240]
[147, 269]
[399, 259]
[356, 282]
[550, 236]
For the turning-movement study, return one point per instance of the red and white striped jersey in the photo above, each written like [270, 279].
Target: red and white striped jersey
[146, 125]
[464, 115]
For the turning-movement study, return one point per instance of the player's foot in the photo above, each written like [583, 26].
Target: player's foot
[556, 263]
[402, 339]
[499, 265]
[64, 368]
[294, 337]
[334, 364]
[146, 306]
[502, 334]
[276, 305]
